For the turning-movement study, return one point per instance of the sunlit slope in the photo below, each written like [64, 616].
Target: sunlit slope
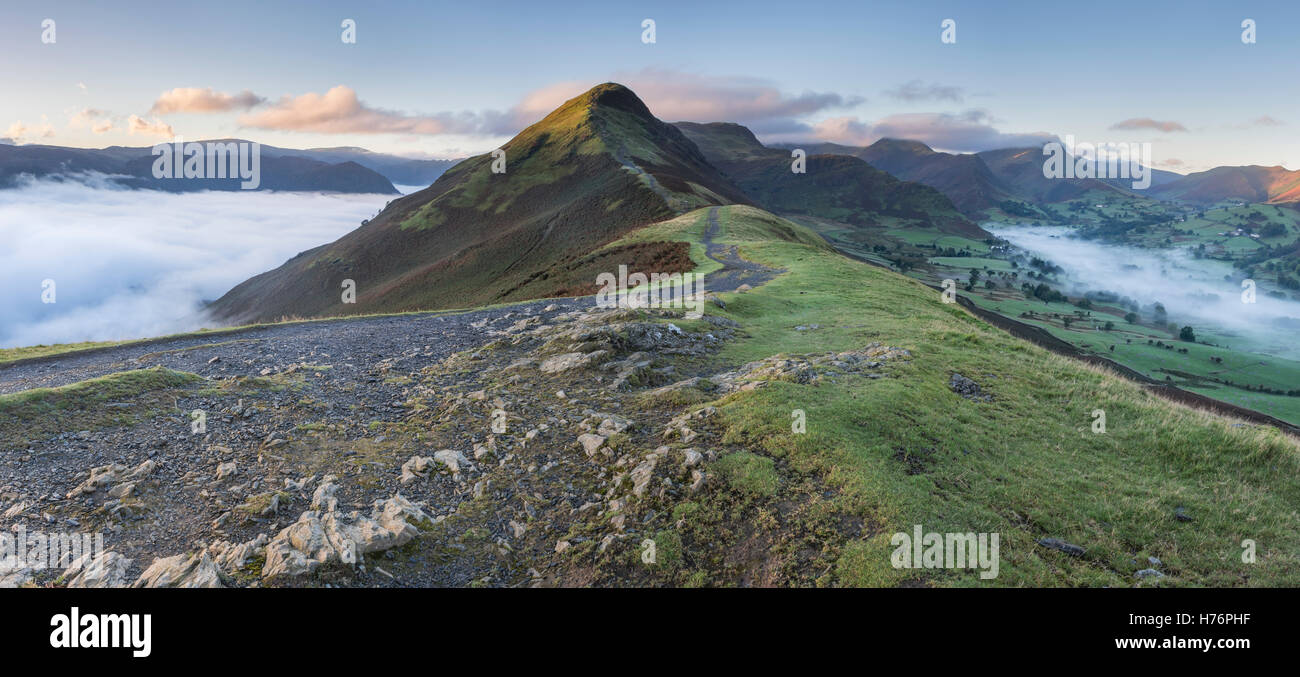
[593, 169]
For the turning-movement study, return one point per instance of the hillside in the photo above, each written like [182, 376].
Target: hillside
[400, 170]
[841, 188]
[1249, 184]
[592, 170]
[963, 178]
[555, 444]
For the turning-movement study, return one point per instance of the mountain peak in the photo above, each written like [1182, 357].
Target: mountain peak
[608, 95]
[902, 145]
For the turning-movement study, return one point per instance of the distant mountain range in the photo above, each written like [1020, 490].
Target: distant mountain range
[977, 182]
[1247, 184]
[835, 185]
[343, 170]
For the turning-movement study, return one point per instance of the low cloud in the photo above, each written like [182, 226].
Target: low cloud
[129, 264]
[207, 100]
[155, 127]
[339, 111]
[1193, 293]
[1148, 123]
[968, 132]
[916, 90]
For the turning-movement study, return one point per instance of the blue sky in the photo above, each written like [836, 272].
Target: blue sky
[447, 79]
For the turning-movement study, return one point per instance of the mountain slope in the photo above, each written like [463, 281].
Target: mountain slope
[595, 168]
[399, 170]
[837, 187]
[1020, 170]
[1248, 184]
[964, 179]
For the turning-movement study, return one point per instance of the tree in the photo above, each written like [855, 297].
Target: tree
[1187, 334]
[1131, 318]
[1110, 326]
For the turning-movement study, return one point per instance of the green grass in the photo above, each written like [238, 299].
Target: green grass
[84, 405]
[29, 352]
[1025, 465]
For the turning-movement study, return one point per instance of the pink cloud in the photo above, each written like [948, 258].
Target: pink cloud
[196, 100]
[339, 111]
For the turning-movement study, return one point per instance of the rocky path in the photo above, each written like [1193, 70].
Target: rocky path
[345, 431]
[735, 270]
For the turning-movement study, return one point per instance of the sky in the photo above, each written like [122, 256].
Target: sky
[449, 79]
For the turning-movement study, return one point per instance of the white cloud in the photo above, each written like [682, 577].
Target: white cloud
[130, 264]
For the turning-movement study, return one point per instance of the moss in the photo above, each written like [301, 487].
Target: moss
[749, 473]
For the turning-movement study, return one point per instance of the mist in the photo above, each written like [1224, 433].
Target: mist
[138, 263]
[1193, 291]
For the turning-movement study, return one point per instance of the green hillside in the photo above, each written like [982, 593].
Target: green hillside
[881, 455]
[592, 170]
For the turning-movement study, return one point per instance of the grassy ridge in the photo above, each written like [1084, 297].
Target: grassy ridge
[83, 405]
[1025, 464]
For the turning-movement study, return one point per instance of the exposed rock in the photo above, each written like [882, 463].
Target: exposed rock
[641, 476]
[107, 475]
[323, 499]
[105, 570]
[15, 578]
[416, 468]
[181, 571]
[591, 443]
[319, 538]
[967, 388]
[232, 557]
[454, 460]
[568, 361]
[1057, 544]
[225, 470]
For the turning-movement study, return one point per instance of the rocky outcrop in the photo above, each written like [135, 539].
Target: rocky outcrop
[322, 537]
[106, 569]
[182, 571]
